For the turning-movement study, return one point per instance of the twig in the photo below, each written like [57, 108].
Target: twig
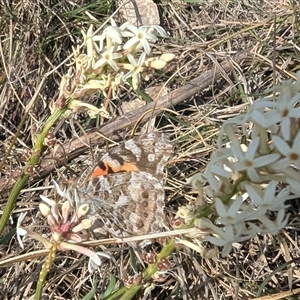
[117, 128]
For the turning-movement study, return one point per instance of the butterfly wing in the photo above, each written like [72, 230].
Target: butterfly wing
[125, 188]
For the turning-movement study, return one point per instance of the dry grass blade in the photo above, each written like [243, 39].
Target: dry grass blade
[227, 54]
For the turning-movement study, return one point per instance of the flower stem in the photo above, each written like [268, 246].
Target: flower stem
[32, 162]
[129, 293]
[44, 271]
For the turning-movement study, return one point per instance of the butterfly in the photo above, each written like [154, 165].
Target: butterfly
[125, 187]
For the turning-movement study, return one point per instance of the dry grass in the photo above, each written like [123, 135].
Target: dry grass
[36, 39]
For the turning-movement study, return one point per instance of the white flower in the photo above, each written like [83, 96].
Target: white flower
[294, 185]
[21, 231]
[261, 111]
[155, 29]
[95, 261]
[229, 129]
[112, 35]
[61, 192]
[197, 180]
[267, 199]
[220, 172]
[140, 39]
[29, 233]
[281, 111]
[229, 215]
[89, 47]
[273, 227]
[229, 235]
[220, 176]
[291, 154]
[108, 57]
[247, 161]
[285, 113]
[135, 69]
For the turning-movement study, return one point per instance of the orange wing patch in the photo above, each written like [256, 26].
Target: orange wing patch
[105, 168]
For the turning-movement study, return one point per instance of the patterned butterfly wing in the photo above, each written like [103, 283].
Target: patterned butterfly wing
[125, 188]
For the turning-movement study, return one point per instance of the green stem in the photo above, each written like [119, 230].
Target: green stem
[129, 293]
[166, 251]
[32, 162]
[44, 271]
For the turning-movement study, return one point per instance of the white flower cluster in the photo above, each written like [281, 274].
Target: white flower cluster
[117, 54]
[255, 174]
[108, 60]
